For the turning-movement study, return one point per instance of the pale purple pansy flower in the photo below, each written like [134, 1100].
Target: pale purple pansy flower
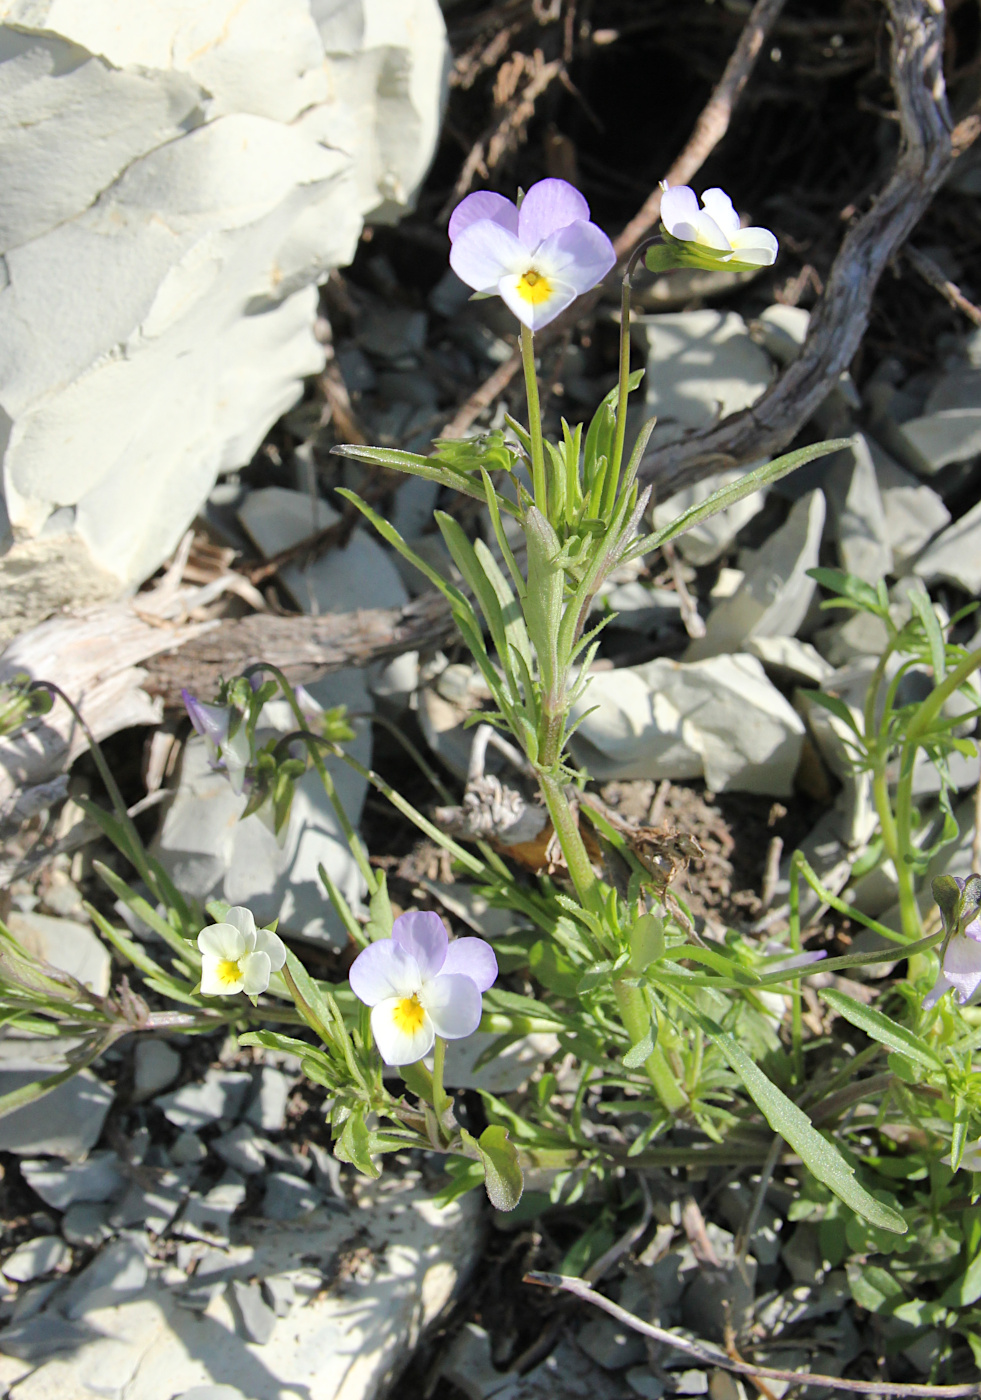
[970, 1158]
[238, 957]
[538, 258]
[232, 752]
[715, 227]
[419, 986]
[787, 961]
[961, 968]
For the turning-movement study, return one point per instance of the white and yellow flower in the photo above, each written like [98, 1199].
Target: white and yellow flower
[238, 957]
[709, 236]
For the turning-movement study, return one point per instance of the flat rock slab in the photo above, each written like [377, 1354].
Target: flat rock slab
[70, 946]
[61, 1184]
[354, 1328]
[66, 1122]
[35, 1258]
[156, 1066]
[220, 1094]
[701, 366]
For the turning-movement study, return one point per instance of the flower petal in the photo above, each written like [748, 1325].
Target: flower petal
[679, 211]
[396, 1046]
[242, 919]
[756, 245]
[549, 205]
[579, 254]
[210, 721]
[718, 204]
[272, 946]
[213, 983]
[453, 1003]
[382, 970]
[423, 934]
[936, 991]
[535, 314]
[237, 754]
[474, 958]
[709, 235]
[484, 253]
[962, 966]
[483, 204]
[255, 970]
[223, 941]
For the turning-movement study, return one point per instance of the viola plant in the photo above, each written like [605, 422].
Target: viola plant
[658, 1027]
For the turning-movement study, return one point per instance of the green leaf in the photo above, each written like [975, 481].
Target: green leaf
[835, 706]
[874, 1288]
[882, 1028]
[640, 1053]
[919, 600]
[849, 586]
[464, 1174]
[428, 468]
[502, 1170]
[354, 1143]
[818, 1154]
[553, 969]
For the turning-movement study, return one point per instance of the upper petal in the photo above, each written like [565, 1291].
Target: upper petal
[484, 253]
[474, 958]
[423, 934]
[717, 203]
[241, 918]
[384, 969]
[453, 1002]
[679, 211]
[396, 1046]
[223, 941]
[535, 314]
[549, 205]
[708, 233]
[483, 204]
[272, 946]
[579, 254]
[962, 966]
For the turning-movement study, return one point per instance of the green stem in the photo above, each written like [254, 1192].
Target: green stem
[934, 702]
[441, 1099]
[895, 839]
[636, 1019]
[613, 474]
[796, 998]
[534, 421]
[570, 839]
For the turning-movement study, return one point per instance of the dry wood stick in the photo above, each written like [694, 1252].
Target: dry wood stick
[949, 290]
[709, 131]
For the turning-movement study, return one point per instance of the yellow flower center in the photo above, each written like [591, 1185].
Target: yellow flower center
[228, 971]
[534, 287]
[409, 1015]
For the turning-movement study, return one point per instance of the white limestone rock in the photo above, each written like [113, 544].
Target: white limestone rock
[937, 439]
[718, 719]
[710, 538]
[858, 513]
[177, 178]
[773, 598]
[913, 511]
[701, 366]
[955, 555]
[65, 944]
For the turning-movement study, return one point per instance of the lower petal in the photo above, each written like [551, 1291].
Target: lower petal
[535, 314]
[453, 1003]
[395, 1045]
[962, 966]
[756, 245]
[213, 981]
[255, 973]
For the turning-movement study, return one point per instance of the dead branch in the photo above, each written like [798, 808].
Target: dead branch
[949, 290]
[842, 314]
[709, 130]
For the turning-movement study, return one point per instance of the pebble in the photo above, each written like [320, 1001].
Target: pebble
[242, 1149]
[118, 1270]
[40, 1336]
[257, 1319]
[288, 1197]
[35, 1258]
[691, 1383]
[645, 1385]
[209, 1217]
[186, 1150]
[212, 1392]
[70, 946]
[66, 1122]
[279, 1293]
[35, 1298]
[610, 1344]
[219, 1095]
[267, 1108]
[157, 1065]
[153, 1207]
[86, 1223]
[63, 1184]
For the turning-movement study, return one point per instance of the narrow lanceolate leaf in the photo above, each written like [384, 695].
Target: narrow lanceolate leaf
[502, 1170]
[818, 1154]
[919, 600]
[882, 1028]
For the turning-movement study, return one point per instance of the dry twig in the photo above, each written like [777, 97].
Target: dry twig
[949, 290]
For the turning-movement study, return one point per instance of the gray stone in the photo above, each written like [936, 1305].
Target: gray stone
[86, 1223]
[734, 1205]
[701, 366]
[640, 607]
[645, 1385]
[212, 1392]
[117, 1271]
[42, 1336]
[392, 332]
[288, 1197]
[709, 539]
[718, 719]
[955, 555]
[773, 598]
[802, 1255]
[610, 1344]
[267, 1108]
[66, 1122]
[35, 1258]
[70, 946]
[937, 439]
[219, 1095]
[790, 660]
[858, 513]
[60, 1185]
[152, 1206]
[187, 1149]
[242, 1149]
[156, 1066]
[913, 511]
[506, 1071]
[467, 1364]
[717, 1298]
[279, 1293]
[34, 1300]
[209, 1217]
[691, 1383]
[256, 1318]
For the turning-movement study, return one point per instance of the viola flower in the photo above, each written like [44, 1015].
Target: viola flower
[238, 957]
[419, 986]
[970, 1158]
[228, 750]
[538, 258]
[785, 960]
[711, 236]
[960, 971]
